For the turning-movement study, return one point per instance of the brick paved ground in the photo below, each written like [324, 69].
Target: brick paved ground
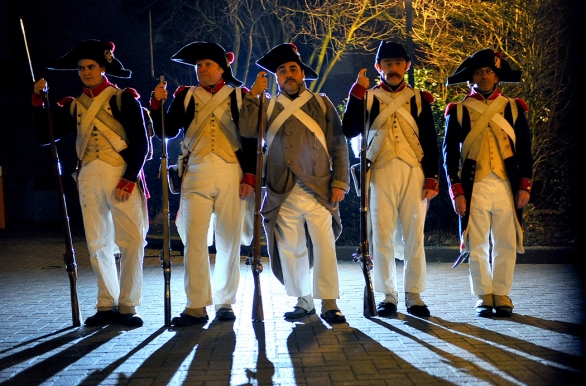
[542, 344]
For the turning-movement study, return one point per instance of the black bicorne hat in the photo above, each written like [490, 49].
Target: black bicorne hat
[481, 59]
[101, 53]
[195, 51]
[387, 49]
[284, 53]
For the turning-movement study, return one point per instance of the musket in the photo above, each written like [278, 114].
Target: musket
[165, 255]
[362, 254]
[255, 259]
[69, 255]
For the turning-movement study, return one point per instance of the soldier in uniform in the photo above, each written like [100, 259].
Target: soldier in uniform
[111, 145]
[488, 162]
[403, 173]
[219, 174]
[306, 179]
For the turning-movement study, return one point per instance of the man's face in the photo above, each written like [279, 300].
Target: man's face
[393, 69]
[485, 79]
[209, 73]
[290, 77]
[90, 72]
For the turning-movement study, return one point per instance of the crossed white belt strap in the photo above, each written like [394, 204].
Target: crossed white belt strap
[211, 106]
[489, 114]
[394, 105]
[112, 129]
[293, 107]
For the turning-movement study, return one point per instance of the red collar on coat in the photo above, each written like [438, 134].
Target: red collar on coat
[216, 88]
[96, 90]
[386, 87]
[476, 95]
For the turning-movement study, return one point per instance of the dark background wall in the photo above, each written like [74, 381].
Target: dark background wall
[52, 29]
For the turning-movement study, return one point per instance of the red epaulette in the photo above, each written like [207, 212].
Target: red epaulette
[449, 108]
[65, 101]
[133, 92]
[522, 104]
[245, 89]
[179, 89]
[427, 96]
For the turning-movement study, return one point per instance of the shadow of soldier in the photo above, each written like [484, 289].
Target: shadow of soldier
[191, 355]
[491, 356]
[263, 373]
[86, 341]
[322, 354]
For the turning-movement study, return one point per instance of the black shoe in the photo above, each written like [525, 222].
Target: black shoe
[298, 312]
[333, 316]
[503, 311]
[102, 317]
[225, 314]
[131, 320]
[419, 311]
[484, 311]
[188, 320]
[386, 309]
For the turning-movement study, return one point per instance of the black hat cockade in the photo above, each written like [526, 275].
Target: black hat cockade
[388, 49]
[481, 59]
[284, 53]
[101, 53]
[195, 51]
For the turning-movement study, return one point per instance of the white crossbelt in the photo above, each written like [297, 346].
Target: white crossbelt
[294, 108]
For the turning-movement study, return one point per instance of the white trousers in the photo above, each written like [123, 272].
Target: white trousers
[210, 192]
[299, 210]
[112, 225]
[492, 220]
[395, 203]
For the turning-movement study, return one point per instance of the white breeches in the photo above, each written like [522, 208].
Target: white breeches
[210, 192]
[112, 225]
[395, 203]
[492, 220]
[300, 210]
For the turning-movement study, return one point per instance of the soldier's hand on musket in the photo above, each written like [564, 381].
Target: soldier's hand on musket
[260, 84]
[41, 86]
[160, 91]
[362, 79]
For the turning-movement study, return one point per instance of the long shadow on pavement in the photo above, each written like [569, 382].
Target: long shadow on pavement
[264, 370]
[97, 376]
[90, 340]
[345, 354]
[193, 355]
[499, 350]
